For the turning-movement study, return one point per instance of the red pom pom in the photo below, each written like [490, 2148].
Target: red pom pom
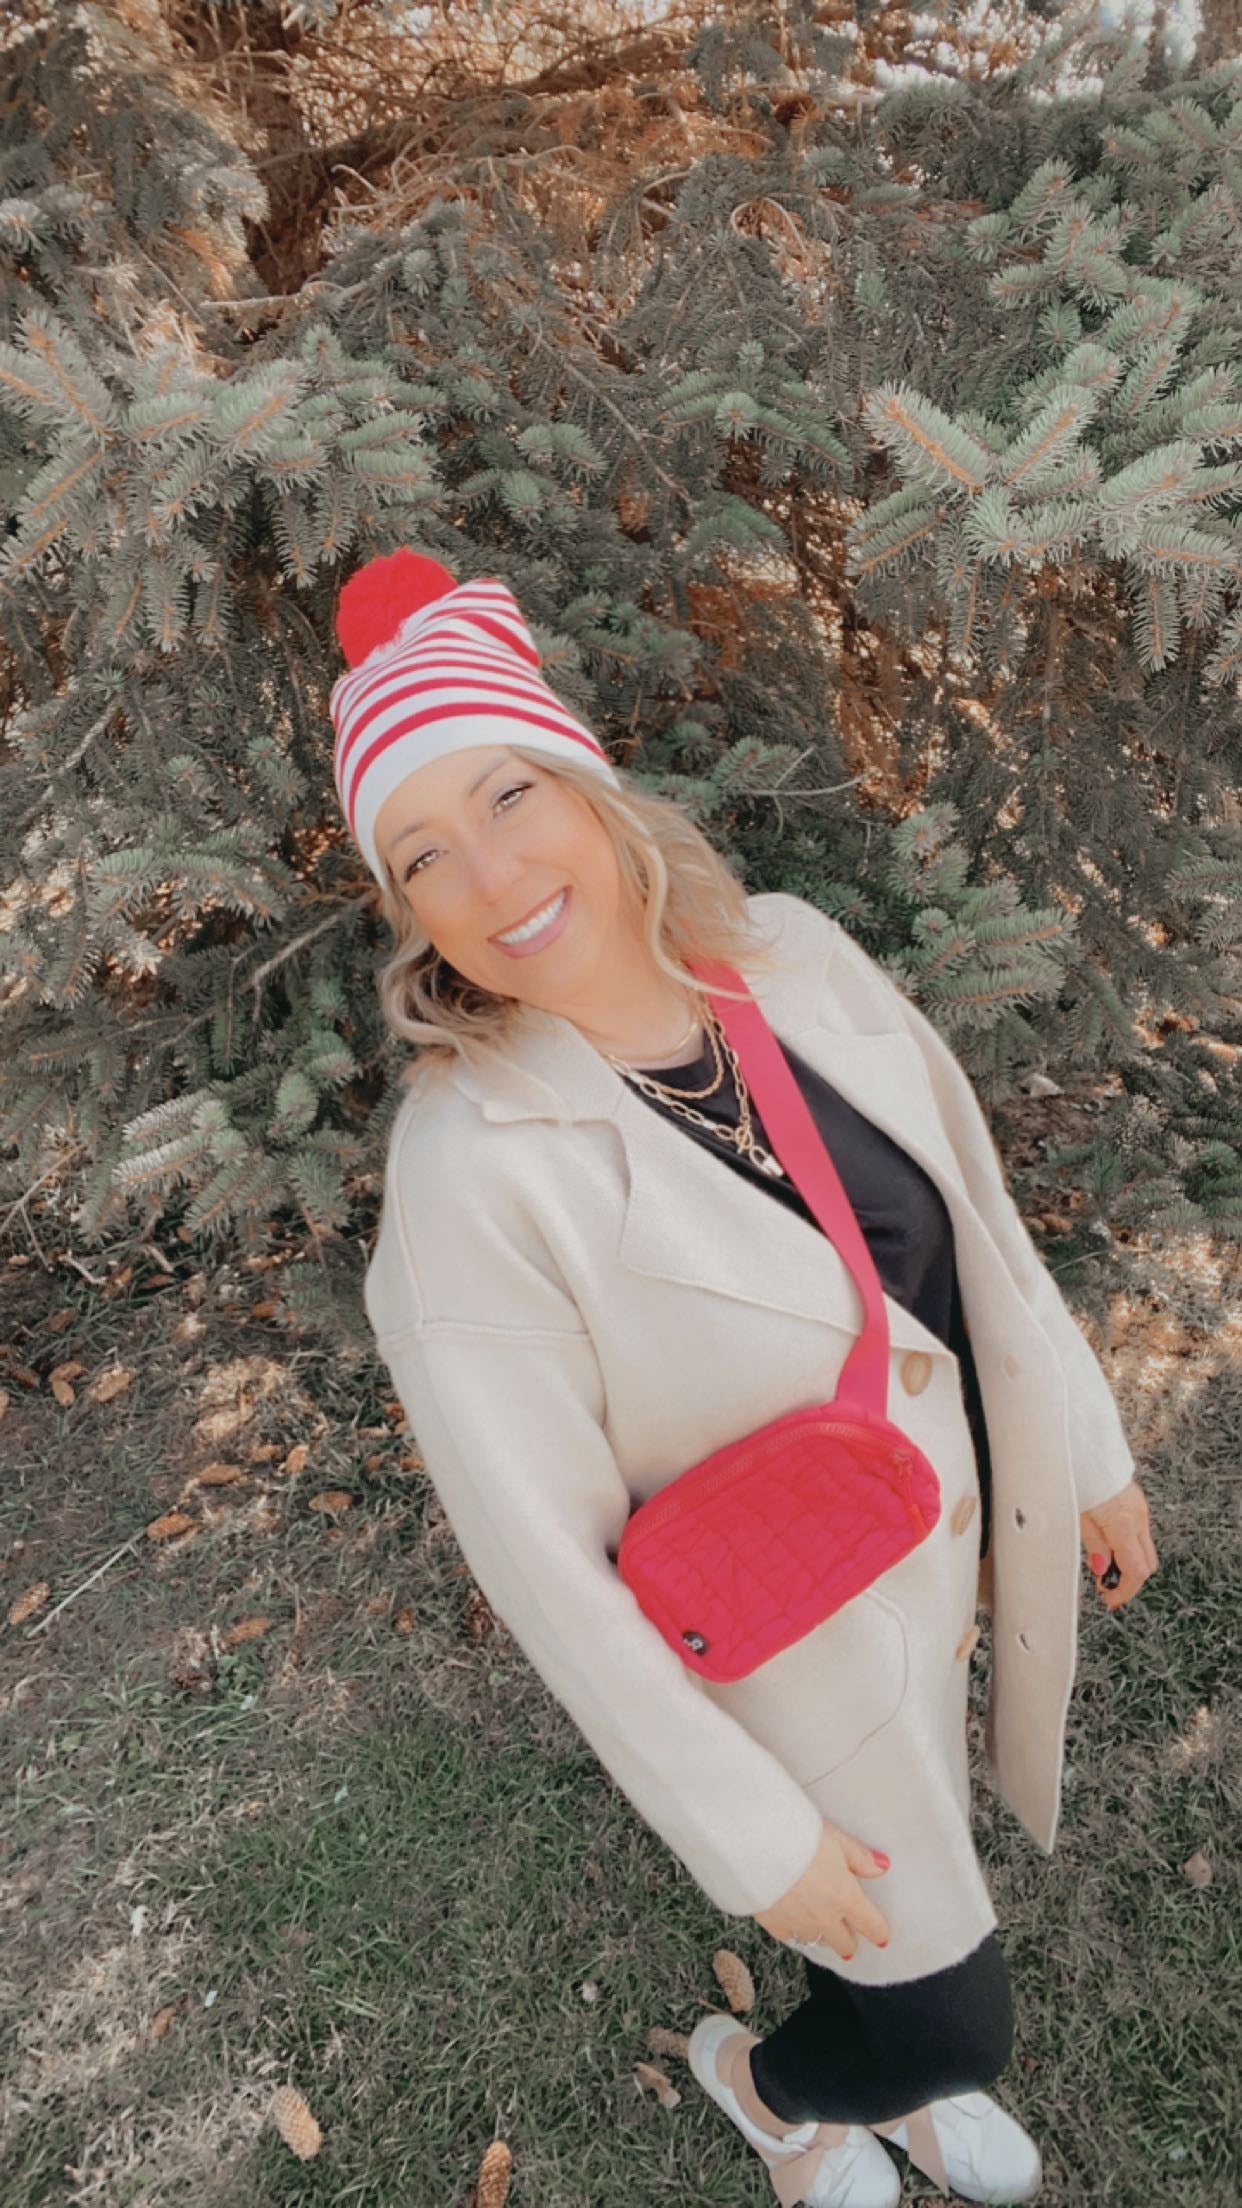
[380, 596]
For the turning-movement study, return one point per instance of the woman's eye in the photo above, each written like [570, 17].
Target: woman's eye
[415, 865]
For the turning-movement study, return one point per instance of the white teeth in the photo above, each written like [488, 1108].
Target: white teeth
[538, 924]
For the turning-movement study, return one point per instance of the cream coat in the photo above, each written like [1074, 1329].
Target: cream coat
[576, 1301]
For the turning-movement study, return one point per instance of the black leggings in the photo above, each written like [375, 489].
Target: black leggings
[861, 2054]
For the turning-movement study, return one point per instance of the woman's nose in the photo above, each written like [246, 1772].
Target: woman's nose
[495, 878]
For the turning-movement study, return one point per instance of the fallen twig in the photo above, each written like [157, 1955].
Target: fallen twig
[98, 1573]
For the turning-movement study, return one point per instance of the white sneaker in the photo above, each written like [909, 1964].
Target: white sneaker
[969, 2145]
[823, 2165]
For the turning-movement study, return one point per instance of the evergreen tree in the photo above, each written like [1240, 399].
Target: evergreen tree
[871, 487]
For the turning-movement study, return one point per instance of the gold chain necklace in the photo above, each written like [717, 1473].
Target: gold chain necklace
[742, 1136]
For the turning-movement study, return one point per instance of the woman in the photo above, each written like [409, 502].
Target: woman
[588, 1276]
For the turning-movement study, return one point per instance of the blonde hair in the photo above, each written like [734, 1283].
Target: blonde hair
[691, 902]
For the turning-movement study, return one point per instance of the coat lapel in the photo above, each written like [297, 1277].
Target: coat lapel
[740, 1244]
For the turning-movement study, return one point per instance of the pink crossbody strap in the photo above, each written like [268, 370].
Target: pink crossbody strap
[796, 1140]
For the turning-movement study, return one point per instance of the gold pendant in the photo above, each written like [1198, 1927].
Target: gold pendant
[767, 1163]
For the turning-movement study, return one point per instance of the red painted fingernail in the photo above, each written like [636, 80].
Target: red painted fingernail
[1097, 1561]
[880, 1857]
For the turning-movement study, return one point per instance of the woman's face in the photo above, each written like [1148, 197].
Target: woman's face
[477, 842]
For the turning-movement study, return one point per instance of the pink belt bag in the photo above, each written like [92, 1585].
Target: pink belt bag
[754, 1546]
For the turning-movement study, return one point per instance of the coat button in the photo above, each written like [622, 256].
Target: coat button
[963, 1512]
[915, 1371]
[967, 1642]
[1012, 1367]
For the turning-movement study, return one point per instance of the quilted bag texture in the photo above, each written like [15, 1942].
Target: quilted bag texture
[751, 1548]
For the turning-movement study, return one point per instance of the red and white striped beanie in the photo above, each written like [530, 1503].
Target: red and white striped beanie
[435, 666]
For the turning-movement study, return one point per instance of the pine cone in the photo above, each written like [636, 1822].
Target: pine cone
[649, 2074]
[495, 2176]
[172, 1522]
[663, 2042]
[294, 2122]
[479, 1616]
[26, 1605]
[246, 1629]
[734, 1979]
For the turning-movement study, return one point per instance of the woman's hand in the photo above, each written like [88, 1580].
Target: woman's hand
[1120, 1527]
[827, 1905]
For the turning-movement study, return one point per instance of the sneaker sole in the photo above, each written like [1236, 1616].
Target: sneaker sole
[705, 2039]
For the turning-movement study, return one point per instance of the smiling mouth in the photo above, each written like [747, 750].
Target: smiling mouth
[549, 907]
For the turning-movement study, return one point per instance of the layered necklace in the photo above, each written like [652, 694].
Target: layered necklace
[743, 1135]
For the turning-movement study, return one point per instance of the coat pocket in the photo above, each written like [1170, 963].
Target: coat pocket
[818, 1702]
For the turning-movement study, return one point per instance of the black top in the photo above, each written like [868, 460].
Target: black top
[898, 1207]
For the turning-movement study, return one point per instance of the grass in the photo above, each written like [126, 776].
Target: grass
[365, 1854]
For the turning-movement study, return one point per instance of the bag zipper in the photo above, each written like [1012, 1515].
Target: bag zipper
[658, 1507]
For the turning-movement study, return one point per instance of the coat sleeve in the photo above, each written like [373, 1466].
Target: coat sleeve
[1102, 1462]
[509, 1420]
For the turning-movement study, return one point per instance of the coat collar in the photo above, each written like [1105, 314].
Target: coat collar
[550, 1071]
